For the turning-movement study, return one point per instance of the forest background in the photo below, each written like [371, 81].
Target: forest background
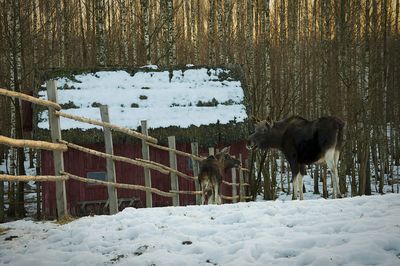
[305, 57]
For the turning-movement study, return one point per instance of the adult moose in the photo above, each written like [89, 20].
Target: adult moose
[302, 142]
[212, 170]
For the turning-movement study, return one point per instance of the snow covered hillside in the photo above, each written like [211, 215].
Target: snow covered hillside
[352, 231]
[192, 96]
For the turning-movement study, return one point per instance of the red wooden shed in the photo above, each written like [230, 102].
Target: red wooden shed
[84, 198]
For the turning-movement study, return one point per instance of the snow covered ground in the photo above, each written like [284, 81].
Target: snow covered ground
[153, 97]
[351, 231]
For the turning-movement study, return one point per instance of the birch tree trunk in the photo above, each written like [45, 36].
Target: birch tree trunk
[83, 39]
[171, 34]
[16, 124]
[146, 36]
[221, 30]
[124, 36]
[194, 29]
[133, 28]
[100, 34]
[210, 32]
[61, 32]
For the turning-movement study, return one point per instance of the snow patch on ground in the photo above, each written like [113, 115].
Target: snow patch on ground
[352, 231]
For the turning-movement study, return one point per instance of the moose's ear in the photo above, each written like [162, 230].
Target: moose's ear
[255, 119]
[269, 122]
[225, 150]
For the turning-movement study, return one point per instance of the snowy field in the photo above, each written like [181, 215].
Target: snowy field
[351, 231]
[151, 96]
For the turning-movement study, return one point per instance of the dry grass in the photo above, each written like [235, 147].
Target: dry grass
[65, 220]
[3, 230]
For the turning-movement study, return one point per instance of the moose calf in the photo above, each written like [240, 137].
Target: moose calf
[211, 173]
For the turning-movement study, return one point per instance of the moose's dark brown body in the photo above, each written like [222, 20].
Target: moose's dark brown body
[303, 142]
[211, 174]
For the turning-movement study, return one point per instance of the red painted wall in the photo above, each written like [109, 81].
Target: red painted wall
[79, 163]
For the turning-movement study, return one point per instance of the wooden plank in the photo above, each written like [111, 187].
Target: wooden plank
[112, 191]
[117, 158]
[29, 98]
[196, 170]
[54, 120]
[147, 174]
[33, 144]
[109, 125]
[173, 165]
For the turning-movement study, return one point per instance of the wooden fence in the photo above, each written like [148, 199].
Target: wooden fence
[58, 146]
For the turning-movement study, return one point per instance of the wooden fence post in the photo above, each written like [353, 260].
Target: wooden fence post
[146, 156]
[234, 187]
[112, 191]
[211, 151]
[54, 120]
[196, 170]
[241, 182]
[173, 165]
[2, 218]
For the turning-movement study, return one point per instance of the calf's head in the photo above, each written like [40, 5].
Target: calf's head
[225, 160]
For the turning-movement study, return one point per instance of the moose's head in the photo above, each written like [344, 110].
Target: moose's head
[261, 136]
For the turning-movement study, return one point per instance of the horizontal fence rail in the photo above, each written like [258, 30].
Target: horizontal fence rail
[118, 185]
[178, 152]
[29, 98]
[197, 158]
[108, 125]
[186, 192]
[26, 178]
[33, 144]
[66, 176]
[168, 169]
[234, 184]
[115, 157]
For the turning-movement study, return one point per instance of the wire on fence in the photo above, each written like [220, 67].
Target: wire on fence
[29, 98]
[115, 157]
[33, 144]
[108, 125]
